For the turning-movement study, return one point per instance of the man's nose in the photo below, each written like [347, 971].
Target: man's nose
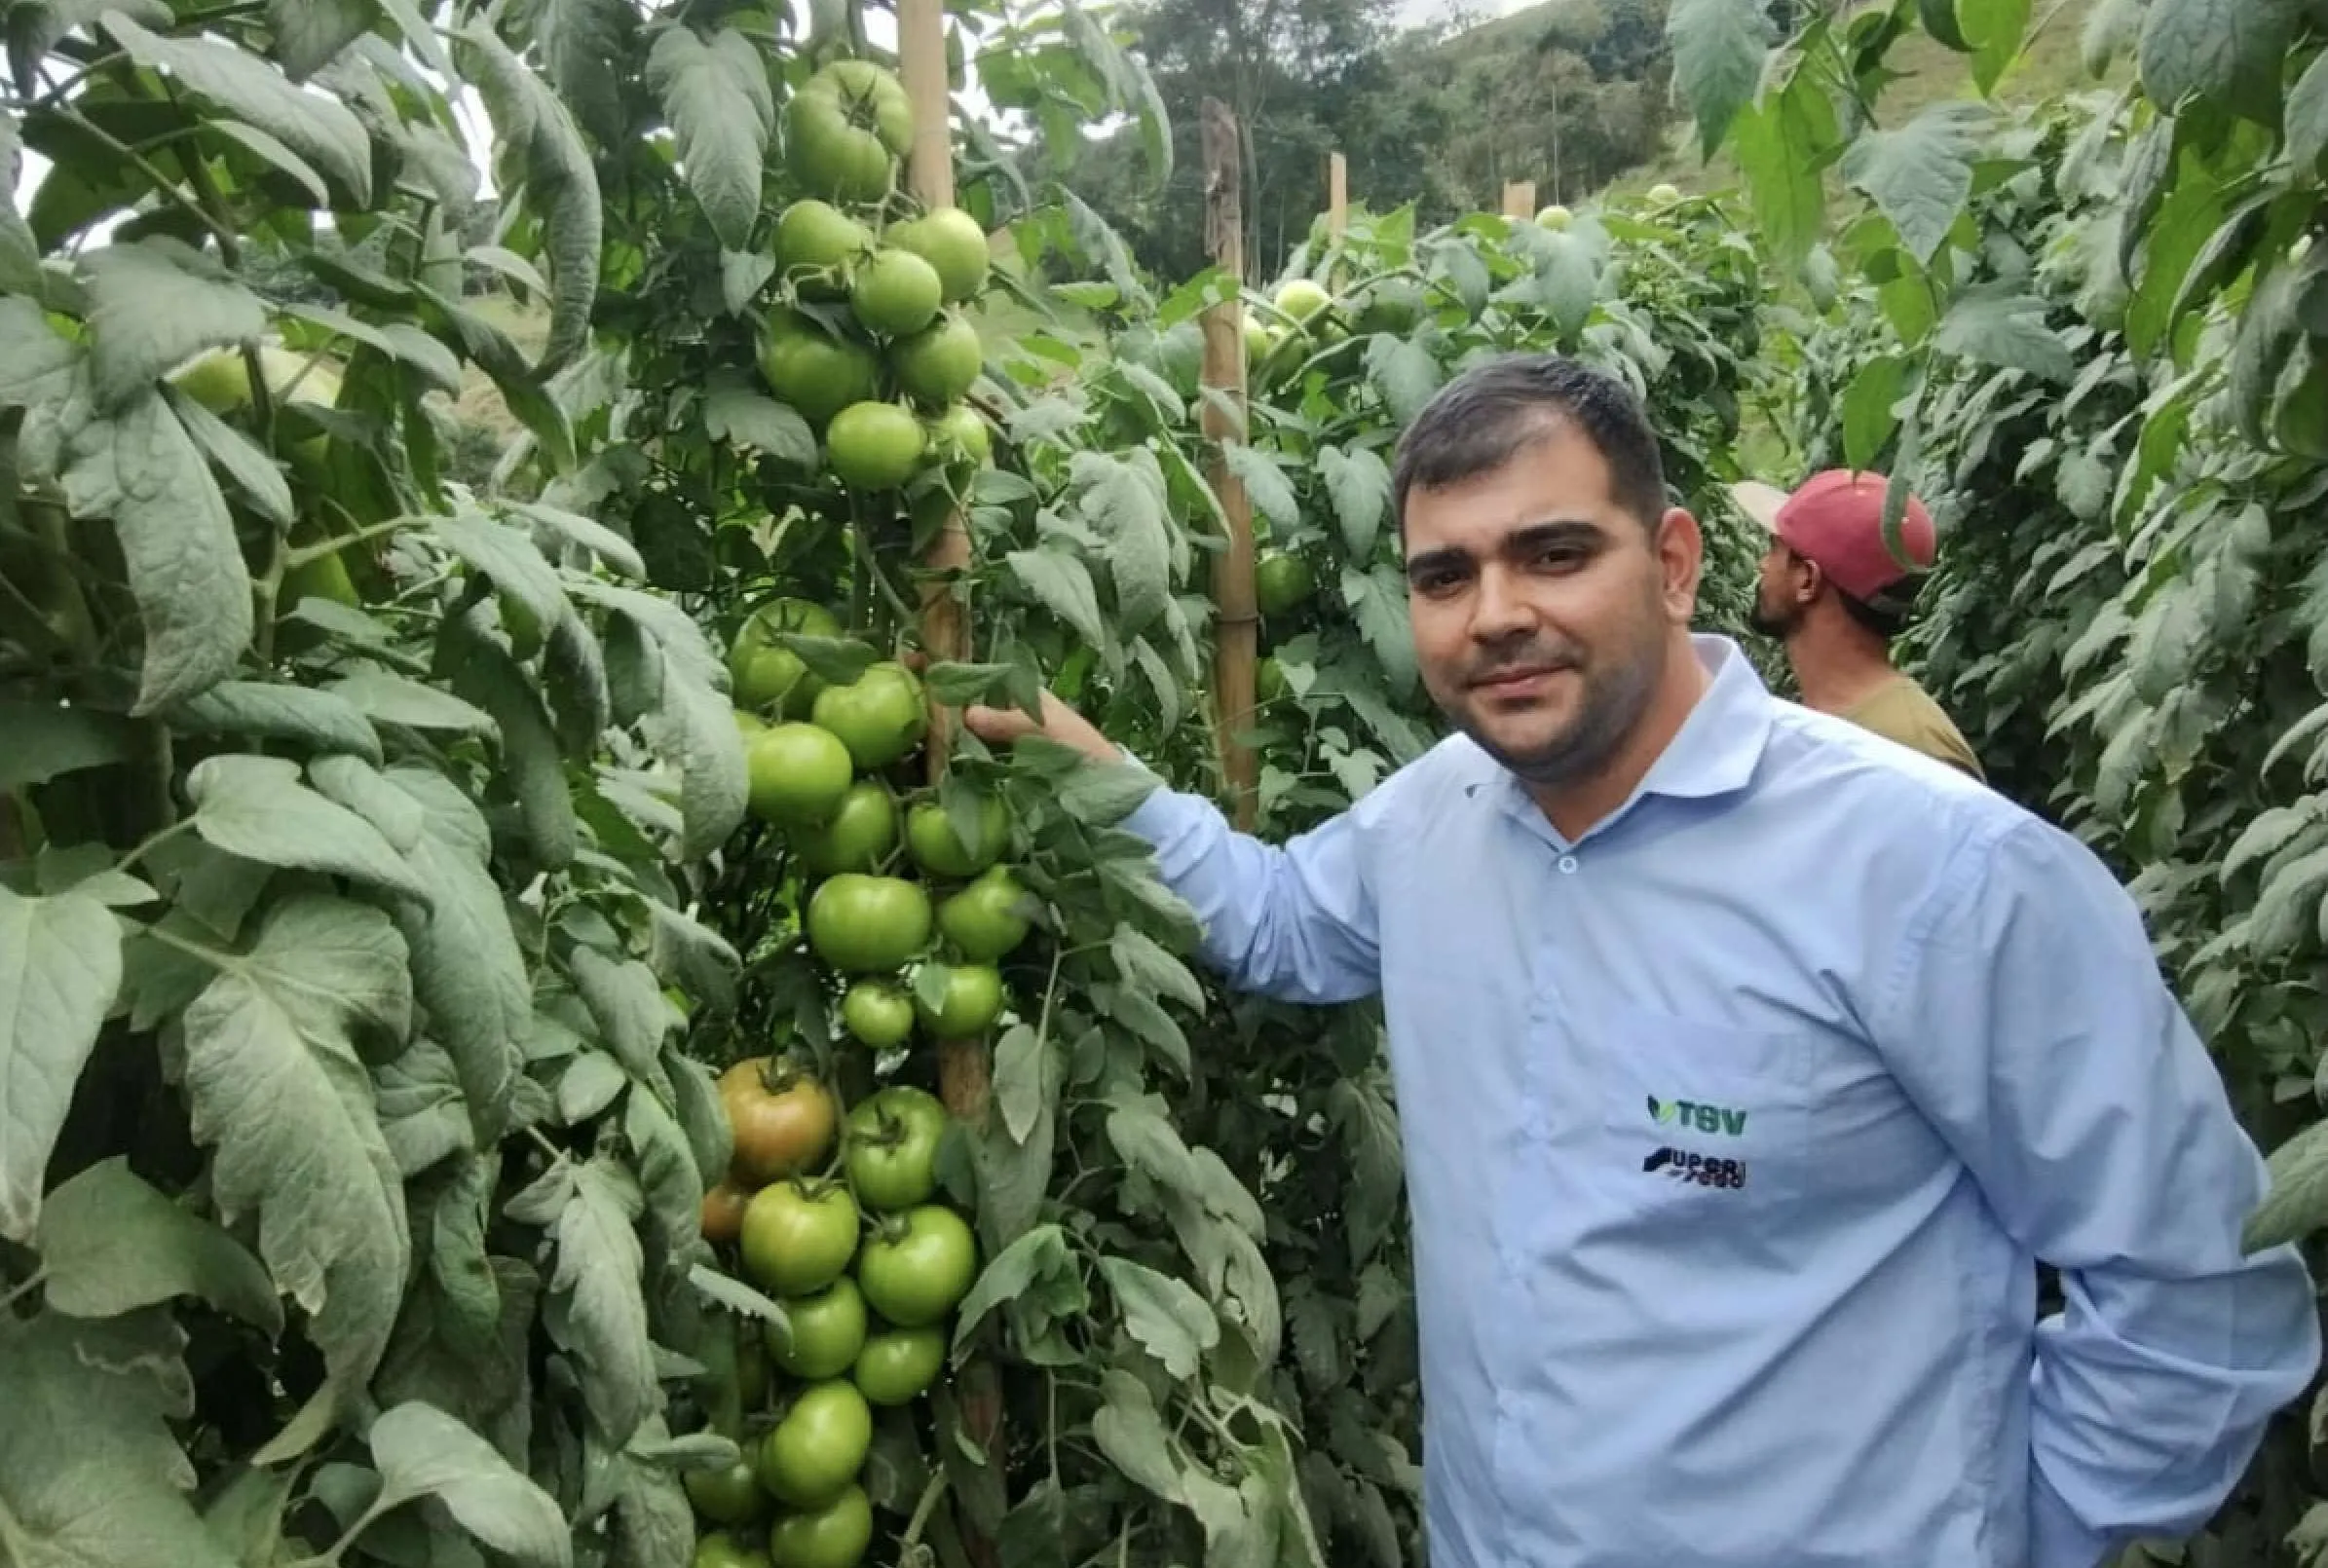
[1499, 610]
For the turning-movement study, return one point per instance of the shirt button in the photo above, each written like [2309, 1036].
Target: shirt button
[1567, 864]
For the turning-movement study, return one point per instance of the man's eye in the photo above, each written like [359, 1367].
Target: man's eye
[1436, 581]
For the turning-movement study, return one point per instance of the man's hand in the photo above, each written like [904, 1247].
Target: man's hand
[1000, 727]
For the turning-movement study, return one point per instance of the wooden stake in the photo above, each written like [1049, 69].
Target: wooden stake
[1520, 198]
[1224, 421]
[1337, 194]
[965, 1068]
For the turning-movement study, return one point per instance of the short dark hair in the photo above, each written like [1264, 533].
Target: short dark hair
[1887, 616]
[1480, 421]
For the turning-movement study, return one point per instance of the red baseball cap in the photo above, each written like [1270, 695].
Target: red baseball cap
[1835, 521]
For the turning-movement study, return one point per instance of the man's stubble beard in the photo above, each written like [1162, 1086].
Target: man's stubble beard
[1611, 706]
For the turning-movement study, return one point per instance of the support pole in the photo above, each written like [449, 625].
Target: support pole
[1337, 194]
[966, 1067]
[1225, 418]
[1520, 198]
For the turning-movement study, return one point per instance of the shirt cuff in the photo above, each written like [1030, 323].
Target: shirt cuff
[2058, 1538]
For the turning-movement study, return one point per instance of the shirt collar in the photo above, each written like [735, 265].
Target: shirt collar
[1714, 752]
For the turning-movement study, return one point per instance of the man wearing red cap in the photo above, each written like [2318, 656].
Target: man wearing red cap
[1836, 594]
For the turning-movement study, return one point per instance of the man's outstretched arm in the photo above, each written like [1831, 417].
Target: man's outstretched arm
[1295, 923]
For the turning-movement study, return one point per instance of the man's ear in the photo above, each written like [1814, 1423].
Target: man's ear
[1681, 560]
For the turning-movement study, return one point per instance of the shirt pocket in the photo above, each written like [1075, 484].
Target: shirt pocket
[1699, 1118]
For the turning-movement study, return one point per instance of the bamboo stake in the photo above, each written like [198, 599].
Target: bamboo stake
[1520, 198]
[1224, 421]
[1337, 194]
[965, 1068]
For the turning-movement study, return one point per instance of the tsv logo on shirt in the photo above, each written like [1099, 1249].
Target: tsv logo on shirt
[1705, 1118]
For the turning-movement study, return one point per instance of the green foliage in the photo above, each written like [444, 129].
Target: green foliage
[2080, 330]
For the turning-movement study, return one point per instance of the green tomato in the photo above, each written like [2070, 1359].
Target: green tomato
[880, 717]
[938, 363]
[812, 1455]
[768, 675]
[916, 1266]
[730, 1496]
[951, 240]
[822, 1333]
[868, 925]
[814, 371]
[986, 919]
[897, 1366]
[878, 1013]
[891, 1154]
[860, 835]
[834, 1536]
[844, 130]
[939, 850]
[894, 293]
[817, 236]
[1301, 299]
[960, 438]
[874, 445]
[1281, 582]
[971, 1001]
[720, 1549]
[799, 1236]
[800, 775]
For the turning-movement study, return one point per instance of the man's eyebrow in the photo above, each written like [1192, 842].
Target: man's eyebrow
[1520, 541]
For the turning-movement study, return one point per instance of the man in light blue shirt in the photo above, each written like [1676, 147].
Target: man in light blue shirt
[1747, 1063]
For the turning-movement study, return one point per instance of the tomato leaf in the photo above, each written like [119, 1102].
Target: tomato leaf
[627, 1002]
[737, 1296]
[715, 95]
[1021, 1090]
[60, 968]
[2296, 1202]
[394, 699]
[423, 1452]
[277, 1092]
[1265, 482]
[1998, 325]
[1062, 584]
[82, 1429]
[2308, 115]
[177, 540]
[423, 1115]
[236, 456]
[467, 967]
[256, 808]
[1404, 372]
[1037, 1269]
[1921, 174]
[1170, 1321]
[1719, 49]
[1358, 483]
[536, 135]
[1132, 1435]
[596, 1310]
[308, 34]
[320, 130]
[1869, 409]
[1142, 961]
[110, 1244]
[482, 671]
[2227, 52]
[749, 419]
[277, 712]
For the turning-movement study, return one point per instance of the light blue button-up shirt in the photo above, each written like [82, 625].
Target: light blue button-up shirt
[1732, 1131]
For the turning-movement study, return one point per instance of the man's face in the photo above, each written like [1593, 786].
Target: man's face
[1542, 613]
[1778, 598]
